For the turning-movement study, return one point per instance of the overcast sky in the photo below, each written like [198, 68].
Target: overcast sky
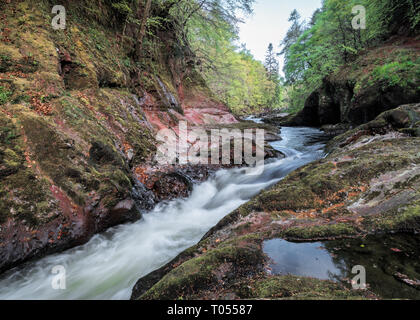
[269, 23]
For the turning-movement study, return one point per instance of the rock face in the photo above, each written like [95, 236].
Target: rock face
[378, 80]
[368, 183]
[77, 129]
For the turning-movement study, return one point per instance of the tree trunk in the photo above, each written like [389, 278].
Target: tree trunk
[142, 31]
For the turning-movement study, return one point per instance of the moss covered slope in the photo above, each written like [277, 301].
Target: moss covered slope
[78, 116]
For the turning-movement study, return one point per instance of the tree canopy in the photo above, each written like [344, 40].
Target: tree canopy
[315, 49]
[205, 36]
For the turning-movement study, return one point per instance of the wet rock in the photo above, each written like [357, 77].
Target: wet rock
[403, 120]
[144, 198]
[125, 211]
[172, 185]
[405, 279]
[271, 137]
[205, 273]
[334, 130]
[73, 131]
[124, 206]
[275, 119]
[368, 185]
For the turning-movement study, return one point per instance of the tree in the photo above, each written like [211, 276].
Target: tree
[294, 32]
[231, 72]
[272, 67]
[271, 64]
[199, 37]
[144, 16]
[292, 36]
[329, 40]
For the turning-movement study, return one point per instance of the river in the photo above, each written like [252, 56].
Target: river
[108, 266]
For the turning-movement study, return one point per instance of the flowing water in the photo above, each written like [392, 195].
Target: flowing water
[108, 266]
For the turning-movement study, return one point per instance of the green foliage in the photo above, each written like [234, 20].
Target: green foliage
[271, 64]
[402, 72]
[315, 50]
[7, 135]
[392, 72]
[244, 84]
[394, 16]
[194, 36]
[123, 8]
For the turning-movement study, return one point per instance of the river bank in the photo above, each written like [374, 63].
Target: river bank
[108, 266]
[368, 184]
[79, 117]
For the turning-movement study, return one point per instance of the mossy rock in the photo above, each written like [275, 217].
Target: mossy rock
[295, 288]
[226, 262]
[101, 153]
[337, 230]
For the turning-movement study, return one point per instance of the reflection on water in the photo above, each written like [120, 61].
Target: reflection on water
[382, 256]
[301, 259]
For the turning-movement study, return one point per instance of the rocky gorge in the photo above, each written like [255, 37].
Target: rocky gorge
[366, 185]
[78, 175]
[78, 132]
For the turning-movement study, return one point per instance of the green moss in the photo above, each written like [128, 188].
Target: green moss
[204, 271]
[11, 159]
[405, 218]
[301, 190]
[4, 95]
[26, 197]
[143, 143]
[5, 62]
[320, 232]
[121, 180]
[73, 112]
[7, 133]
[248, 208]
[11, 155]
[293, 287]
[401, 67]
[243, 227]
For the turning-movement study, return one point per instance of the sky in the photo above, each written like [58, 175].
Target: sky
[269, 24]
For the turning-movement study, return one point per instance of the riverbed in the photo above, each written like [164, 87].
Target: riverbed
[108, 266]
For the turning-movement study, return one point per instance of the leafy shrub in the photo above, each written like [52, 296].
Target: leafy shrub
[397, 73]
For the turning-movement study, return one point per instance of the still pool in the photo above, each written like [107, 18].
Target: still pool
[385, 258]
